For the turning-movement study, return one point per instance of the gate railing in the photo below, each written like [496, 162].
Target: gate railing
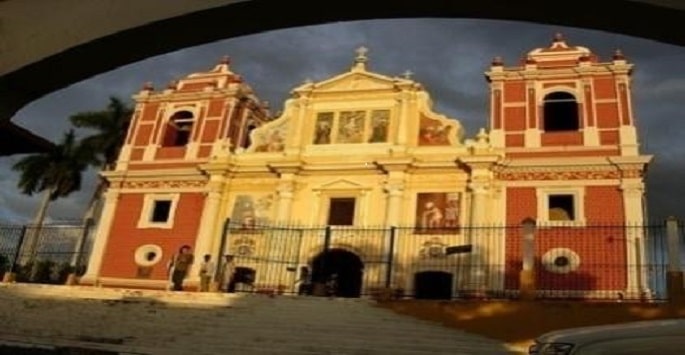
[609, 262]
[44, 254]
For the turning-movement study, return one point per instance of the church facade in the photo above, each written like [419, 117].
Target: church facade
[388, 183]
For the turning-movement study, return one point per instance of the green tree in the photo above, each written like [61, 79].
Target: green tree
[56, 173]
[110, 127]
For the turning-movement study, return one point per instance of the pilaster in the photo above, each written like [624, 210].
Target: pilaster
[101, 237]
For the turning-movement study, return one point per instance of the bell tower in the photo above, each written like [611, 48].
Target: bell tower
[158, 199]
[562, 101]
[572, 163]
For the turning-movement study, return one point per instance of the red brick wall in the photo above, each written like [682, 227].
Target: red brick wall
[561, 138]
[514, 91]
[521, 204]
[515, 118]
[216, 108]
[604, 205]
[209, 131]
[125, 236]
[600, 245]
[607, 115]
[605, 88]
[170, 153]
[143, 134]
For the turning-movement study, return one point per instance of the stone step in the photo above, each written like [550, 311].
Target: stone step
[161, 322]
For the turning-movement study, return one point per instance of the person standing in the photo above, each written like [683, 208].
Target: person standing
[179, 266]
[206, 272]
[228, 273]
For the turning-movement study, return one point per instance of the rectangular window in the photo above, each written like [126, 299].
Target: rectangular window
[341, 211]
[561, 208]
[160, 211]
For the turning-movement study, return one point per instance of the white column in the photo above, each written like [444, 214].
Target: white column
[635, 247]
[528, 245]
[477, 276]
[208, 232]
[101, 237]
[394, 187]
[286, 189]
[479, 204]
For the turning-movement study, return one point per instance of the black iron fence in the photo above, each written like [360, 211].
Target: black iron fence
[611, 262]
[572, 262]
[44, 254]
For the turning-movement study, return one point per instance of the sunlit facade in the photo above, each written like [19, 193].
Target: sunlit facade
[364, 151]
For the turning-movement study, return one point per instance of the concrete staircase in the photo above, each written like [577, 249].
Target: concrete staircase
[160, 322]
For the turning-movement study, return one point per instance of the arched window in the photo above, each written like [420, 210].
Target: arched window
[178, 129]
[560, 112]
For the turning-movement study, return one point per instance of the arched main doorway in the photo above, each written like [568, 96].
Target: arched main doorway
[433, 285]
[347, 267]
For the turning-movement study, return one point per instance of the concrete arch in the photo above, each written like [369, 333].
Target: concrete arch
[83, 39]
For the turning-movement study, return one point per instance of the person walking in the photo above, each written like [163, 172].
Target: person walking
[179, 266]
[206, 272]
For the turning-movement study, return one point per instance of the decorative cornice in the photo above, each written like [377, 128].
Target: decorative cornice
[398, 164]
[284, 167]
[165, 184]
[518, 175]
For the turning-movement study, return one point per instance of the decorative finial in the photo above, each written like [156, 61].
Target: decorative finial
[225, 60]
[361, 54]
[407, 74]
[618, 55]
[558, 37]
[497, 61]
[482, 136]
[148, 86]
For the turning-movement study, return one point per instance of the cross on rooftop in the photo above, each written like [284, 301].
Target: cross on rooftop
[361, 53]
[407, 74]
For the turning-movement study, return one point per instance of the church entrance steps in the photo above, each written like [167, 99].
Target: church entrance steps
[160, 322]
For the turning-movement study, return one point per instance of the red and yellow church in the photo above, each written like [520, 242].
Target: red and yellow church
[363, 151]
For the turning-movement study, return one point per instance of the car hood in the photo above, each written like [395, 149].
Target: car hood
[615, 331]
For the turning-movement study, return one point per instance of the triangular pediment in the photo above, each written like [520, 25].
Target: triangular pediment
[340, 184]
[356, 81]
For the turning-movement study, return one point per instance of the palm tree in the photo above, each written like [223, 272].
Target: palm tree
[56, 173]
[110, 126]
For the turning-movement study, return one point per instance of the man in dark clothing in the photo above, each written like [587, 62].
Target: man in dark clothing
[179, 266]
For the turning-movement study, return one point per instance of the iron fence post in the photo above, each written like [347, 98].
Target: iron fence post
[327, 239]
[324, 253]
[222, 245]
[674, 275]
[391, 252]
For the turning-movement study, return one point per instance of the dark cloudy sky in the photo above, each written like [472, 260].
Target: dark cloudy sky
[448, 56]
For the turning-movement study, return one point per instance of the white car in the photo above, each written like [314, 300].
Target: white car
[634, 338]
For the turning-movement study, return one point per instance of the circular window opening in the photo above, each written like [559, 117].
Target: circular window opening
[561, 261]
[148, 255]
